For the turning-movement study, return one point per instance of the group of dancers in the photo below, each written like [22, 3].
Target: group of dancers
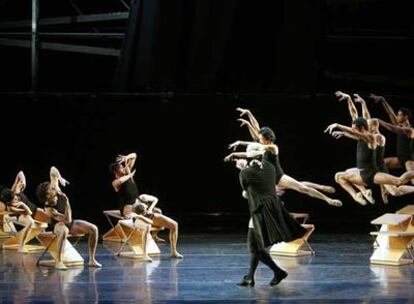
[138, 211]
[263, 179]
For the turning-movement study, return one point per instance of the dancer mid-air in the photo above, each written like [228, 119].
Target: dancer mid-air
[265, 138]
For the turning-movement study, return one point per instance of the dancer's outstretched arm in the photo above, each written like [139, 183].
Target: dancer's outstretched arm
[390, 111]
[396, 129]
[364, 136]
[339, 134]
[250, 116]
[365, 111]
[254, 133]
[271, 147]
[351, 107]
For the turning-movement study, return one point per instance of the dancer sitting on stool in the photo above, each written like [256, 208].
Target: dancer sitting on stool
[17, 202]
[57, 206]
[129, 198]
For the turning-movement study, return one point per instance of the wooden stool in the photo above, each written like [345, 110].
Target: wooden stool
[13, 243]
[7, 228]
[394, 239]
[71, 257]
[115, 234]
[298, 247]
[133, 237]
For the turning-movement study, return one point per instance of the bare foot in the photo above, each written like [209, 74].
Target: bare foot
[61, 266]
[368, 196]
[94, 263]
[384, 195]
[335, 202]
[146, 258]
[158, 239]
[360, 199]
[22, 250]
[177, 255]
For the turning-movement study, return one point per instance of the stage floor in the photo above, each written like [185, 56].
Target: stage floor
[213, 264]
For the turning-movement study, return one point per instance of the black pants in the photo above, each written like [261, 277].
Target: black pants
[259, 254]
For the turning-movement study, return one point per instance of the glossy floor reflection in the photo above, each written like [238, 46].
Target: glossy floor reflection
[213, 264]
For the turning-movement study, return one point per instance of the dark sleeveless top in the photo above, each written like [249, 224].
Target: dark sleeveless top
[23, 198]
[404, 147]
[60, 207]
[380, 152]
[366, 162]
[127, 194]
[274, 160]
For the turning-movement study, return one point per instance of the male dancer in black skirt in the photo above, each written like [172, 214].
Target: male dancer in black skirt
[270, 222]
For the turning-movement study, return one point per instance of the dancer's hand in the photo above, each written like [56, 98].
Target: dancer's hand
[337, 134]
[330, 128]
[243, 122]
[241, 164]
[342, 95]
[376, 98]
[243, 111]
[234, 145]
[229, 157]
[132, 173]
[63, 182]
[280, 190]
[120, 158]
[358, 98]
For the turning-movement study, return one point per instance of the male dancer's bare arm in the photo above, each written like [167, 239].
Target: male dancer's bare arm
[56, 179]
[388, 109]
[396, 129]
[66, 217]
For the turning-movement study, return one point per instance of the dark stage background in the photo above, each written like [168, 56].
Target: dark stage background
[282, 59]
[181, 144]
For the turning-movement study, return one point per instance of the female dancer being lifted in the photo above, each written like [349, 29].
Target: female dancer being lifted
[266, 138]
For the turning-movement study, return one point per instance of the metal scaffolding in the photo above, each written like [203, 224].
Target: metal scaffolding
[13, 33]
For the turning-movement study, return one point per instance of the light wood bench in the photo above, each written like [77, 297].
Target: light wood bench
[394, 237]
[71, 257]
[298, 247]
[126, 234]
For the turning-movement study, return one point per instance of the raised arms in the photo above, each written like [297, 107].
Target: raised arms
[351, 107]
[388, 109]
[365, 111]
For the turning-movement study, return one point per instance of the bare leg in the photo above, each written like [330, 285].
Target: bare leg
[409, 166]
[61, 232]
[346, 180]
[164, 221]
[28, 222]
[290, 183]
[80, 227]
[387, 179]
[399, 191]
[145, 230]
[323, 188]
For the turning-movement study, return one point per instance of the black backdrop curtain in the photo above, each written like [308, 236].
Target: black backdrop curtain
[200, 45]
